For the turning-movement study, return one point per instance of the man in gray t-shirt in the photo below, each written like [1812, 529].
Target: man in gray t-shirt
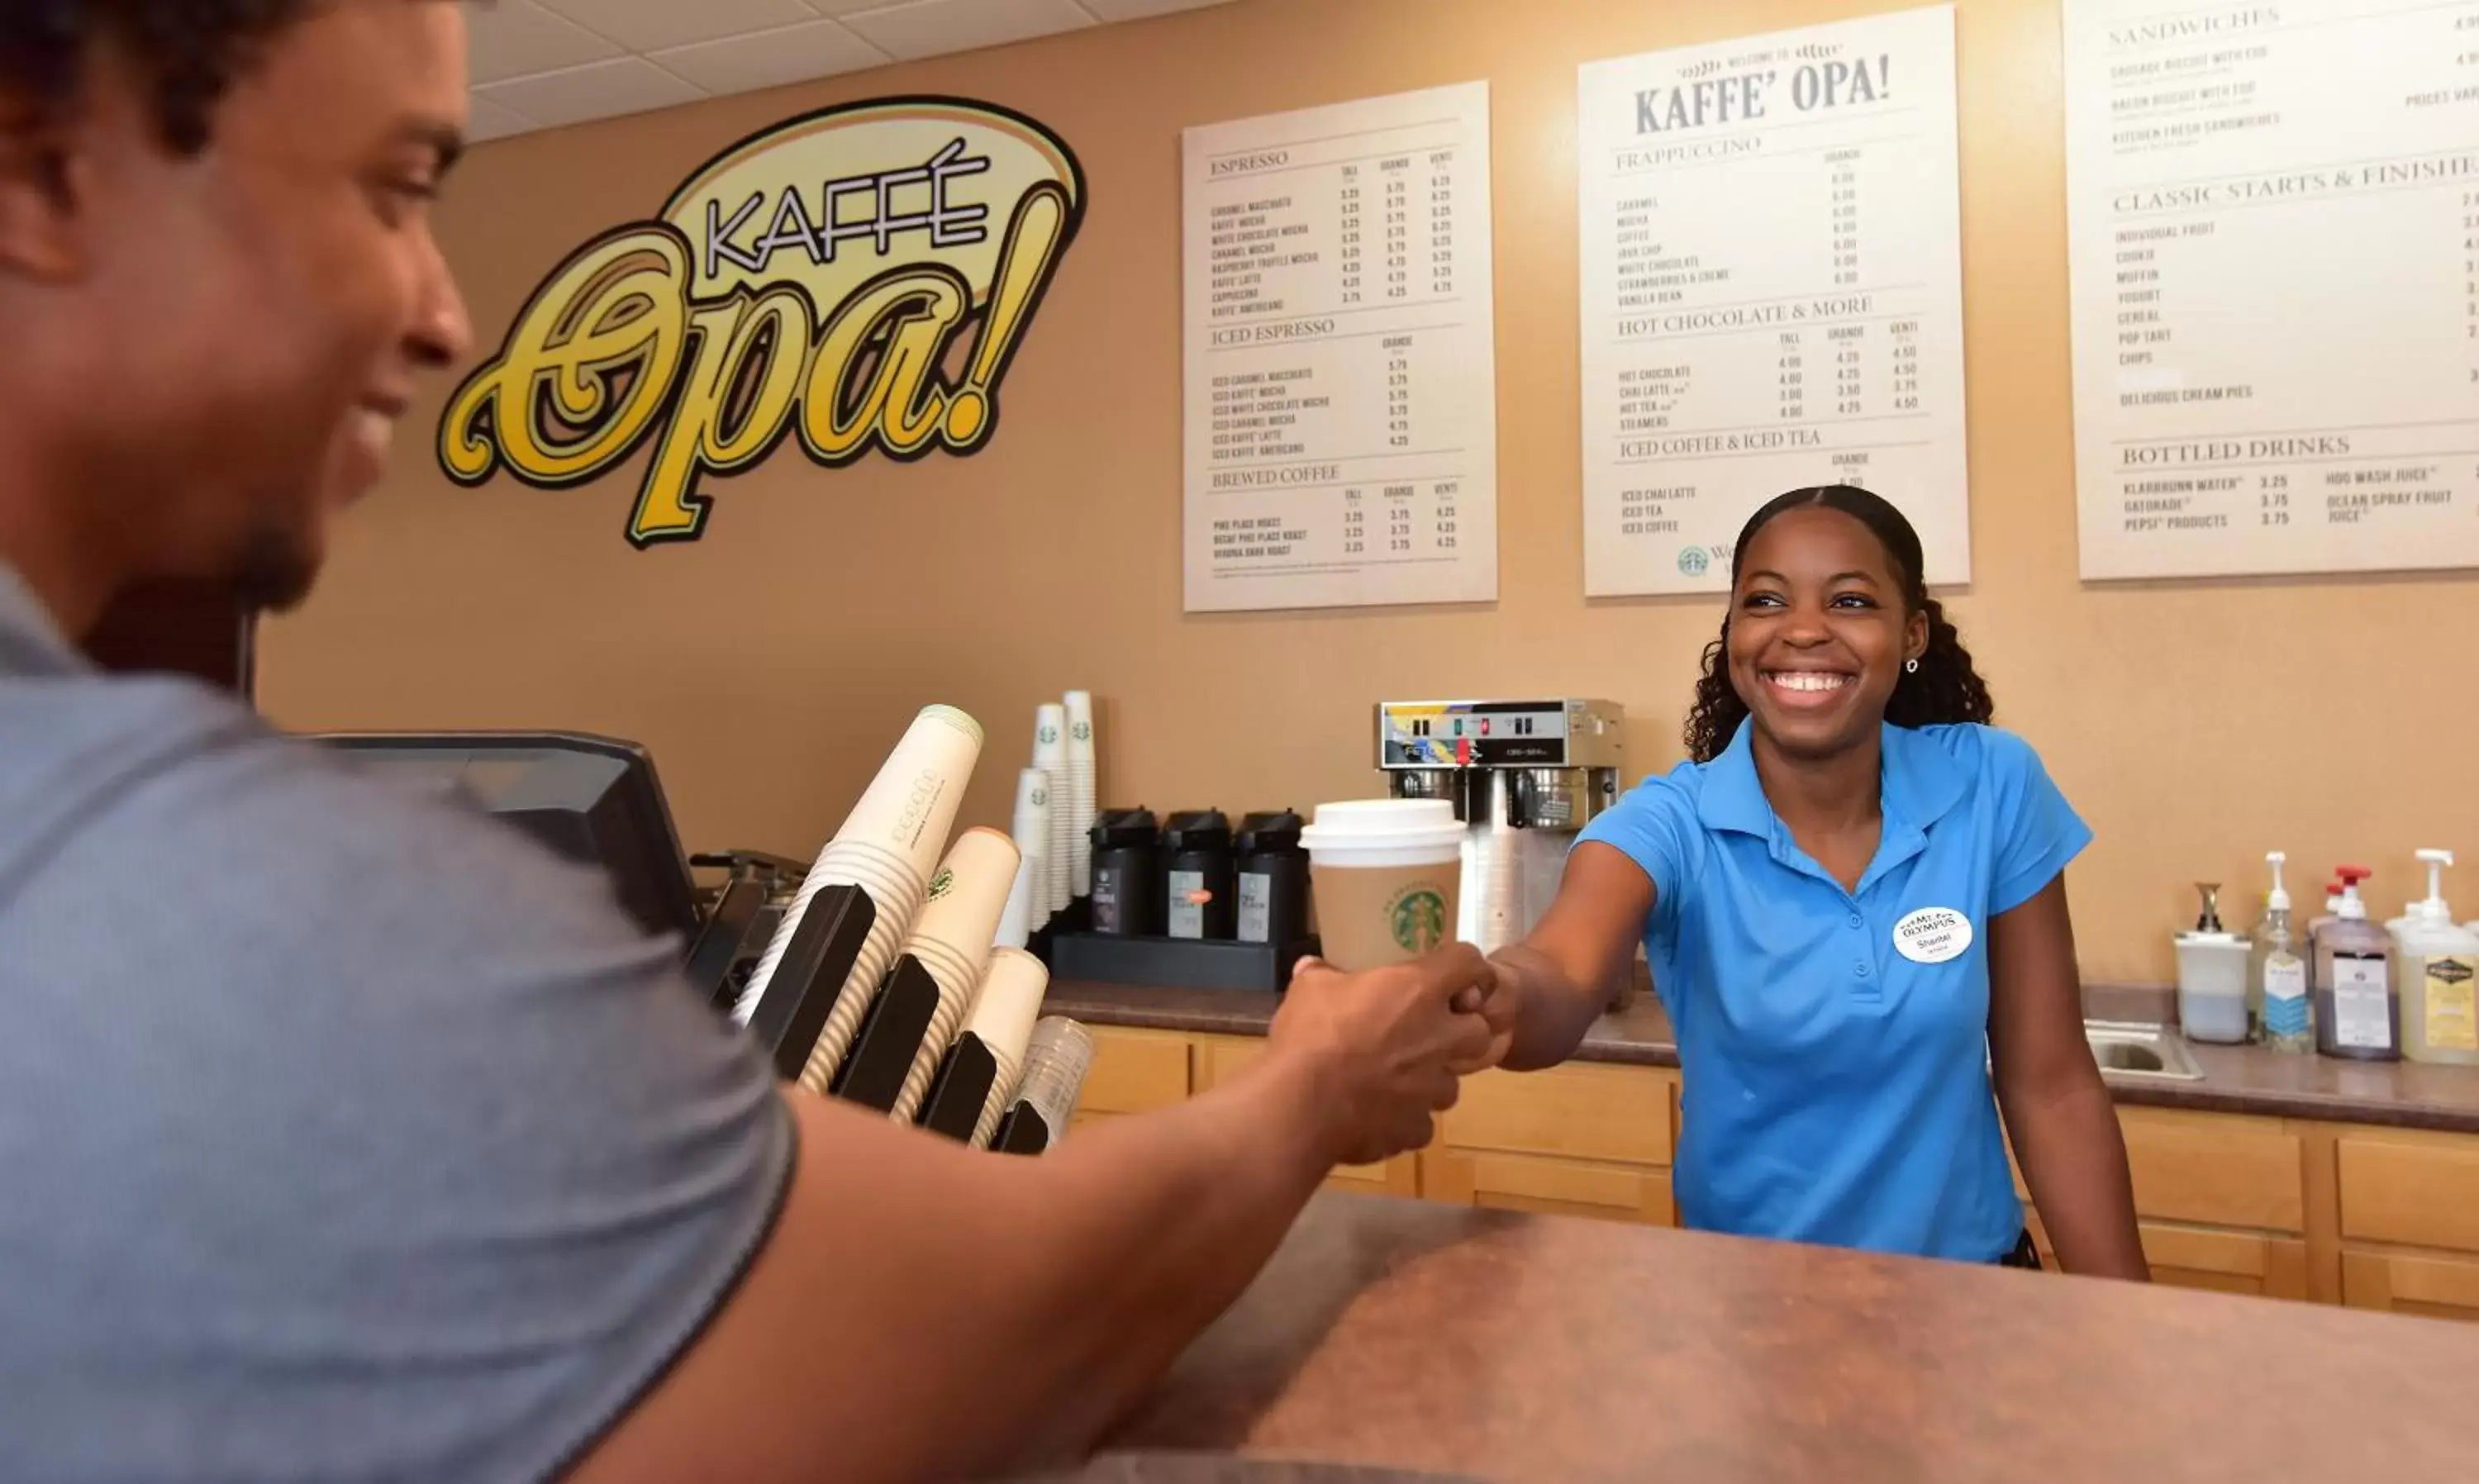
[345, 1134]
[329, 1082]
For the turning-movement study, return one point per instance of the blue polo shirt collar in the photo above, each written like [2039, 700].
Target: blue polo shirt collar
[1921, 784]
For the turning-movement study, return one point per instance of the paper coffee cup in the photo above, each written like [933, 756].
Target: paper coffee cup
[889, 844]
[1080, 792]
[1002, 1016]
[952, 942]
[911, 804]
[1050, 756]
[1388, 877]
[1015, 920]
[1056, 1060]
[1034, 802]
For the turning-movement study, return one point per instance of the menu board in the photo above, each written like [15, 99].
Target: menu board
[1341, 392]
[2275, 248]
[1772, 278]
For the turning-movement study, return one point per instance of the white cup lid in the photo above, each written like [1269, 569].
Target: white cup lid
[1363, 824]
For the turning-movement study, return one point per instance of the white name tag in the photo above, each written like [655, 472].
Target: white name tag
[1932, 934]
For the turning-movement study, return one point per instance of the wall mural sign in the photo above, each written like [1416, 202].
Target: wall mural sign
[858, 277]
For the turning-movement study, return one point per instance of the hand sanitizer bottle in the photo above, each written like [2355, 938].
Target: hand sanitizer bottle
[2279, 983]
[2440, 991]
[2358, 999]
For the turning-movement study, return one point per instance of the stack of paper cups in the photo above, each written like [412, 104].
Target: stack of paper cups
[1033, 818]
[1015, 919]
[886, 847]
[1050, 756]
[1056, 1060]
[952, 942]
[1003, 1018]
[1080, 792]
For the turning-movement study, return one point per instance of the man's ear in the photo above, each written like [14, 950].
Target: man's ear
[43, 181]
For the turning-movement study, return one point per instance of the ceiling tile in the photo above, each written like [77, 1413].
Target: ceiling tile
[928, 28]
[770, 58]
[1141, 10]
[515, 38]
[652, 25]
[599, 90]
[489, 120]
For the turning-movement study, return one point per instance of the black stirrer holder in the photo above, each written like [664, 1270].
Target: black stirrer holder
[962, 1089]
[882, 1055]
[825, 944]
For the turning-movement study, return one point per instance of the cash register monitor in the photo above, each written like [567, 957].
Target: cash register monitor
[593, 800]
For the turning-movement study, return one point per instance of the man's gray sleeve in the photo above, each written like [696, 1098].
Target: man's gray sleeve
[345, 1134]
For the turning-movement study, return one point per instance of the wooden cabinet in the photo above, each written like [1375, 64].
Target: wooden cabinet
[2376, 1218]
[2219, 1200]
[1574, 1141]
[2230, 1261]
[2410, 1222]
[1217, 1057]
[2426, 1283]
[1135, 1070]
[1567, 1188]
[2214, 1168]
[1618, 1114]
[2419, 1190]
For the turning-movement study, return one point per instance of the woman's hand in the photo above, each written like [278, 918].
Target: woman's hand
[1498, 1000]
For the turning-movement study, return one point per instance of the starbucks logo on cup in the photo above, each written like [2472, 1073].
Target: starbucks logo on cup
[1416, 917]
[1081, 731]
[941, 884]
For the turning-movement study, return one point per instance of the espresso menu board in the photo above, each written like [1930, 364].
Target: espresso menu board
[1772, 277]
[2275, 248]
[1341, 412]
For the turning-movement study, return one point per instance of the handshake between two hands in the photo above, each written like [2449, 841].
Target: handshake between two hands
[1395, 1042]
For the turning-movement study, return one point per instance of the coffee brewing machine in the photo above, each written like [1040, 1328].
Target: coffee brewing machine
[1523, 776]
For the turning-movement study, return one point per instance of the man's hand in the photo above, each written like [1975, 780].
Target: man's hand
[1389, 1042]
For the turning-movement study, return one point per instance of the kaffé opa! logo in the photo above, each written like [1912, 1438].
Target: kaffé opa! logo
[858, 276]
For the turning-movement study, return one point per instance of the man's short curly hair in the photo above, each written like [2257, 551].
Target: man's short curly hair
[187, 51]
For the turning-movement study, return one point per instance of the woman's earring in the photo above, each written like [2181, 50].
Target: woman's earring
[1912, 666]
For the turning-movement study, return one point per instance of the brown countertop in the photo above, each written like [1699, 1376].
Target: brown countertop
[2236, 1079]
[1509, 1347]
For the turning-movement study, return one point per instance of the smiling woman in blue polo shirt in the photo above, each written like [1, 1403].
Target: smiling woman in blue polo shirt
[1853, 901]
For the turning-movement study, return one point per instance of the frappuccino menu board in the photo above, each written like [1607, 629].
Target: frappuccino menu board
[1340, 387]
[1772, 276]
[2275, 248]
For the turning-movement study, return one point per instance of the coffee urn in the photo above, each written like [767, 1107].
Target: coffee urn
[1523, 776]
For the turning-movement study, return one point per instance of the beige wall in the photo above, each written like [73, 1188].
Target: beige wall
[770, 663]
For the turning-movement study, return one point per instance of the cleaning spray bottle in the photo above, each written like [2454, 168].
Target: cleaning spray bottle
[2440, 1010]
[2278, 981]
[2358, 1001]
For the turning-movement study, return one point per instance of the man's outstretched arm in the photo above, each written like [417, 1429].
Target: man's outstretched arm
[925, 1310]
